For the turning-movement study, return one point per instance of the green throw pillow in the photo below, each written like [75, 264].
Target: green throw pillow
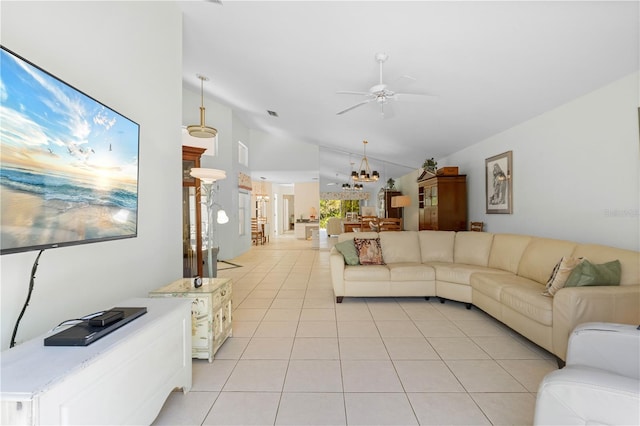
[587, 273]
[348, 250]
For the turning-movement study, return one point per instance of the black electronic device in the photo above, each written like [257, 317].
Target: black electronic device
[197, 282]
[85, 333]
[106, 318]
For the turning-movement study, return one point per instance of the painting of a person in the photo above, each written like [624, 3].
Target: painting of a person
[498, 196]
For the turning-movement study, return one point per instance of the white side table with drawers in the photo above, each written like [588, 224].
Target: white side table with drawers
[210, 312]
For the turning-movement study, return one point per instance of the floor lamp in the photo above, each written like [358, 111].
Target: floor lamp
[208, 178]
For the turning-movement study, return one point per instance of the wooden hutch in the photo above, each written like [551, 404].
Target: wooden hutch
[191, 214]
[442, 203]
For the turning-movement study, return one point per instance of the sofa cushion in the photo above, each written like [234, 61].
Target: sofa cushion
[366, 273]
[541, 256]
[587, 273]
[414, 271]
[369, 251]
[472, 248]
[400, 246]
[349, 252]
[491, 284]
[506, 251]
[459, 273]
[629, 260]
[529, 301]
[436, 246]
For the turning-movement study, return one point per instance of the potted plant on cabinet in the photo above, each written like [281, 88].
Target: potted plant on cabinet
[430, 165]
[428, 169]
[391, 184]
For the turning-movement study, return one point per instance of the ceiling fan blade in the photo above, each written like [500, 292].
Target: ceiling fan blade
[413, 97]
[351, 92]
[406, 77]
[354, 106]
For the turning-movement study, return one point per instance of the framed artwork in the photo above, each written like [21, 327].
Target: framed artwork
[499, 183]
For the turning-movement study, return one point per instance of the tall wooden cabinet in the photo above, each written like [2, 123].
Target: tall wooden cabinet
[191, 214]
[384, 204]
[442, 203]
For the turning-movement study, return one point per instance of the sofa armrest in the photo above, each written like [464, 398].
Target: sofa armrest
[577, 395]
[610, 347]
[336, 263]
[576, 305]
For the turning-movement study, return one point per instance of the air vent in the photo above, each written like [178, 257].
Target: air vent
[272, 113]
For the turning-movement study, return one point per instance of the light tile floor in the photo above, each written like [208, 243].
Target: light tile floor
[298, 358]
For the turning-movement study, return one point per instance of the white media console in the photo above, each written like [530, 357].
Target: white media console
[123, 378]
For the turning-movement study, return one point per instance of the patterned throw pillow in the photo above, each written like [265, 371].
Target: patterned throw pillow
[561, 273]
[369, 251]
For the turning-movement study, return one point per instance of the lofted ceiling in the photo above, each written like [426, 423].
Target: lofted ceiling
[489, 65]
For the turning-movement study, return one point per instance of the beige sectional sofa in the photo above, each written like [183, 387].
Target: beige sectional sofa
[502, 274]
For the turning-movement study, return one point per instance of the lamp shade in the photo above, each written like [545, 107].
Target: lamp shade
[222, 217]
[208, 175]
[400, 201]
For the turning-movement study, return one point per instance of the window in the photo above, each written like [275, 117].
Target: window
[337, 208]
[243, 154]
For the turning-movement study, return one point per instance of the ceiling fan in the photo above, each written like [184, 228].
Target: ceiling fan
[381, 94]
[337, 182]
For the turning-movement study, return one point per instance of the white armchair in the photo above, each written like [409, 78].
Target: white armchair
[334, 226]
[600, 383]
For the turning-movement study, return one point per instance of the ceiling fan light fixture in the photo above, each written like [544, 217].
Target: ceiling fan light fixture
[201, 130]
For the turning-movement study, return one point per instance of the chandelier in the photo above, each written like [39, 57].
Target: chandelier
[201, 130]
[366, 175]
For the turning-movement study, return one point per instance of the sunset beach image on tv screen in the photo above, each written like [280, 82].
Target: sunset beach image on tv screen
[68, 163]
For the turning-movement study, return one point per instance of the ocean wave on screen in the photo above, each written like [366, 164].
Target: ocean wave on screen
[54, 187]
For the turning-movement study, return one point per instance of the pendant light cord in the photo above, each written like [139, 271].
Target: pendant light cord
[26, 303]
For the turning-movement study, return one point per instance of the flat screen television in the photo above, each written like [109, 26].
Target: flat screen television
[68, 163]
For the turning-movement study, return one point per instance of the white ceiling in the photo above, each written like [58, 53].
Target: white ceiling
[491, 65]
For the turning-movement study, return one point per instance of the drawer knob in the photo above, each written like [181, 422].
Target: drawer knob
[223, 292]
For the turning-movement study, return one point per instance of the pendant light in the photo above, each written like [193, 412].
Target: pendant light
[201, 130]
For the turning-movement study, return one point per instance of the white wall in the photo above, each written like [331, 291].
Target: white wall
[575, 173]
[127, 55]
[276, 152]
[307, 195]
[408, 185]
